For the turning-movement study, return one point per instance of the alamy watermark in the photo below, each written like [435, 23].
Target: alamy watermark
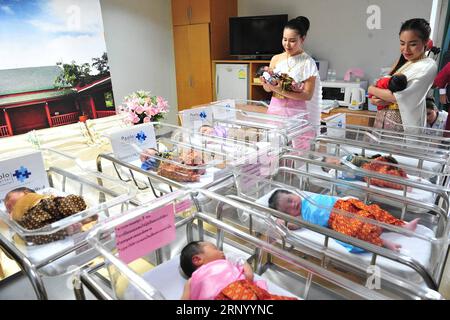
[374, 20]
[374, 278]
[73, 18]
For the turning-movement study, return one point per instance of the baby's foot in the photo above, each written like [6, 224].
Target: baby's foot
[412, 225]
[392, 245]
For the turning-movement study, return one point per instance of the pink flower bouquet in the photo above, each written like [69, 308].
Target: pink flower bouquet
[143, 107]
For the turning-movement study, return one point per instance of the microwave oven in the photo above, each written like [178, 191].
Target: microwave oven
[341, 91]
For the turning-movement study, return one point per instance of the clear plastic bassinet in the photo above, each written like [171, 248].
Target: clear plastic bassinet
[103, 196]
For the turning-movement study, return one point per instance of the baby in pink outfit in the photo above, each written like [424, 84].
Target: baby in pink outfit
[209, 271]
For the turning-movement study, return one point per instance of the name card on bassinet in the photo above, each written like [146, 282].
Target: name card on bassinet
[224, 110]
[338, 122]
[197, 117]
[220, 110]
[145, 234]
[127, 144]
[27, 170]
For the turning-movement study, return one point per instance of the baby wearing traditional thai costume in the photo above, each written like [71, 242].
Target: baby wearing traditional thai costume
[213, 277]
[169, 169]
[318, 209]
[34, 211]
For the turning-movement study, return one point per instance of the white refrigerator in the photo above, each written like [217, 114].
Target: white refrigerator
[232, 81]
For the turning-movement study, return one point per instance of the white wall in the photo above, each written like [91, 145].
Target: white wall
[139, 41]
[339, 31]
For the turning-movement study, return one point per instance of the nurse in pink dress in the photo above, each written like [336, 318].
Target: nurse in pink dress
[302, 68]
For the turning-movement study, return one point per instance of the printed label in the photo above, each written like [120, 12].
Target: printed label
[127, 144]
[145, 234]
[23, 171]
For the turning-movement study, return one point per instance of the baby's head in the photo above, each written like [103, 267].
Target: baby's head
[432, 111]
[15, 195]
[207, 129]
[287, 202]
[196, 254]
[217, 131]
[398, 82]
[262, 69]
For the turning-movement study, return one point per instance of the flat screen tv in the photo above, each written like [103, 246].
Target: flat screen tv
[257, 36]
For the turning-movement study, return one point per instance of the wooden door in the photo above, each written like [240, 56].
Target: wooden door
[200, 64]
[182, 65]
[180, 12]
[200, 11]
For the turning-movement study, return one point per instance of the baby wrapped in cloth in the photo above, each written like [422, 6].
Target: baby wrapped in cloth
[380, 164]
[178, 168]
[323, 210]
[33, 211]
[246, 134]
[213, 276]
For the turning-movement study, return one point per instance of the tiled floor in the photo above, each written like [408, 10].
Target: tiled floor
[18, 287]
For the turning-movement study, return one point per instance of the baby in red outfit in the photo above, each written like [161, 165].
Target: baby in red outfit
[395, 83]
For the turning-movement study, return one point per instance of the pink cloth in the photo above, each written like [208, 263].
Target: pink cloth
[210, 279]
[220, 132]
[288, 108]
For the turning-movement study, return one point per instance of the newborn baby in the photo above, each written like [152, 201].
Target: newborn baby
[213, 276]
[287, 82]
[319, 209]
[33, 211]
[397, 82]
[216, 131]
[170, 169]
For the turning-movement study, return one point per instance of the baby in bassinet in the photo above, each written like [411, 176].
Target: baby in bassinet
[216, 131]
[214, 277]
[318, 209]
[245, 134]
[177, 172]
[33, 211]
[376, 163]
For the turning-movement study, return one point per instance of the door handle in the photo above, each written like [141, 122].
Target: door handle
[217, 86]
[191, 82]
[189, 13]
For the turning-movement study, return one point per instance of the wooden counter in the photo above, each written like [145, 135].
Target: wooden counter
[361, 118]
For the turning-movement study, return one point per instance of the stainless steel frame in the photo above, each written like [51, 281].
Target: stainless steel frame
[431, 278]
[268, 126]
[187, 139]
[311, 269]
[32, 269]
